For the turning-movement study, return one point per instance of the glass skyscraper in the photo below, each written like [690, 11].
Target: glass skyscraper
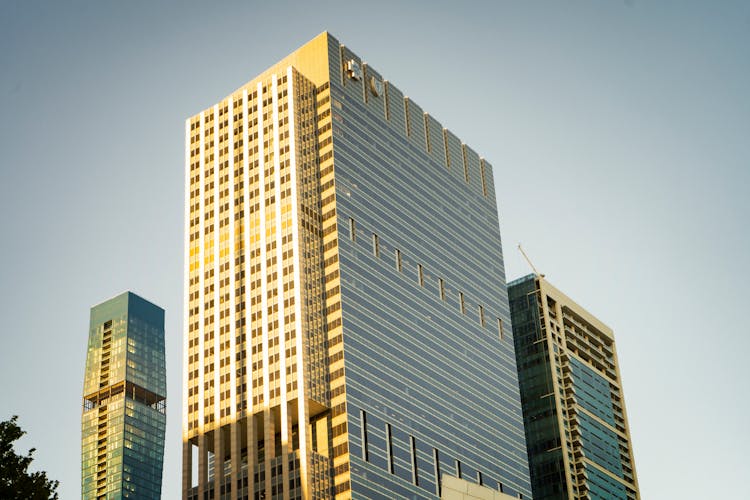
[347, 329]
[574, 412]
[124, 401]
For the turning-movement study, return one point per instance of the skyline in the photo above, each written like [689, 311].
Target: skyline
[638, 109]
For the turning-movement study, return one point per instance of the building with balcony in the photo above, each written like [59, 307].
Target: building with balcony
[574, 410]
[124, 400]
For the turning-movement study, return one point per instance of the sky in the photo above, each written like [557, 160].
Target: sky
[619, 133]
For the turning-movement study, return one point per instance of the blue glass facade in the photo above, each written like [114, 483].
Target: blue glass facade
[431, 386]
[347, 330]
[123, 420]
[576, 431]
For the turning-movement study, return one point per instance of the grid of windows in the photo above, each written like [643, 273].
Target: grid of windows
[123, 420]
[568, 377]
[270, 243]
[256, 201]
[441, 284]
[396, 179]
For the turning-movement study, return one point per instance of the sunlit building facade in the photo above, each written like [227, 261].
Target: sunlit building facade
[574, 413]
[124, 400]
[346, 318]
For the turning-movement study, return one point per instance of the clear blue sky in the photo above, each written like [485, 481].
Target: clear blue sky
[619, 132]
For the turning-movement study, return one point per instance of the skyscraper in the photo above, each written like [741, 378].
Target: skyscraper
[347, 324]
[574, 412]
[124, 400]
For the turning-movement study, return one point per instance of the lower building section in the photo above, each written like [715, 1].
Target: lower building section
[459, 489]
[259, 459]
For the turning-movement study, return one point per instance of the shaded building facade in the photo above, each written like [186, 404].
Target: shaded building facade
[124, 400]
[574, 413]
[347, 325]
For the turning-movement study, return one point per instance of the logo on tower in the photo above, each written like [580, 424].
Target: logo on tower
[354, 70]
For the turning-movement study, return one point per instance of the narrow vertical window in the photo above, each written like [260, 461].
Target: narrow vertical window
[406, 116]
[441, 288]
[466, 163]
[480, 481]
[398, 260]
[500, 328]
[387, 101]
[481, 315]
[427, 133]
[484, 180]
[436, 460]
[363, 418]
[420, 275]
[352, 229]
[414, 471]
[445, 145]
[389, 447]
[461, 303]
[500, 487]
[458, 469]
[375, 245]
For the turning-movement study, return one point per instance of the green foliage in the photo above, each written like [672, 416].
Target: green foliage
[16, 482]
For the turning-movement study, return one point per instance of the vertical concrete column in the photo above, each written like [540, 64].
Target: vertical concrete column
[202, 466]
[234, 456]
[269, 445]
[286, 448]
[218, 461]
[187, 468]
[252, 452]
[321, 433]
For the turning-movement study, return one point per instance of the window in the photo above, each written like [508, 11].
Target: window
[481, 315]
[406, 117]
[466, 162]
[420, 275]
[389, 447]
[398, 260]
[500, 327]
[436, 461]
[375, 245]
[414, 472]
[445, 146]
[441, 287]
[484, 180]
[427, 133]
[363, 418]
[352, 230]
[458, 469]
[461, 303]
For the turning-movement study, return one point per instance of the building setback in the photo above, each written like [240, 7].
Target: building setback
[124, 400]
[574, 413]
[347, 325]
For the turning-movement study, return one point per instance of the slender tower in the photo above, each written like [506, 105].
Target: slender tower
[344, 295]
[574, 409]
[124, 400]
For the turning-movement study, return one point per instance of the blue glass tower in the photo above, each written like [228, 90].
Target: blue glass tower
[428, 353]
[124, 401]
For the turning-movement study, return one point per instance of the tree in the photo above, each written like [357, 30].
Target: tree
[16, 482]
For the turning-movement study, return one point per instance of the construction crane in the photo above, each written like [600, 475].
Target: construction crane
[537, 273]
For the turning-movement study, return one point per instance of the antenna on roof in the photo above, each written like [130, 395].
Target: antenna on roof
[537, 273]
